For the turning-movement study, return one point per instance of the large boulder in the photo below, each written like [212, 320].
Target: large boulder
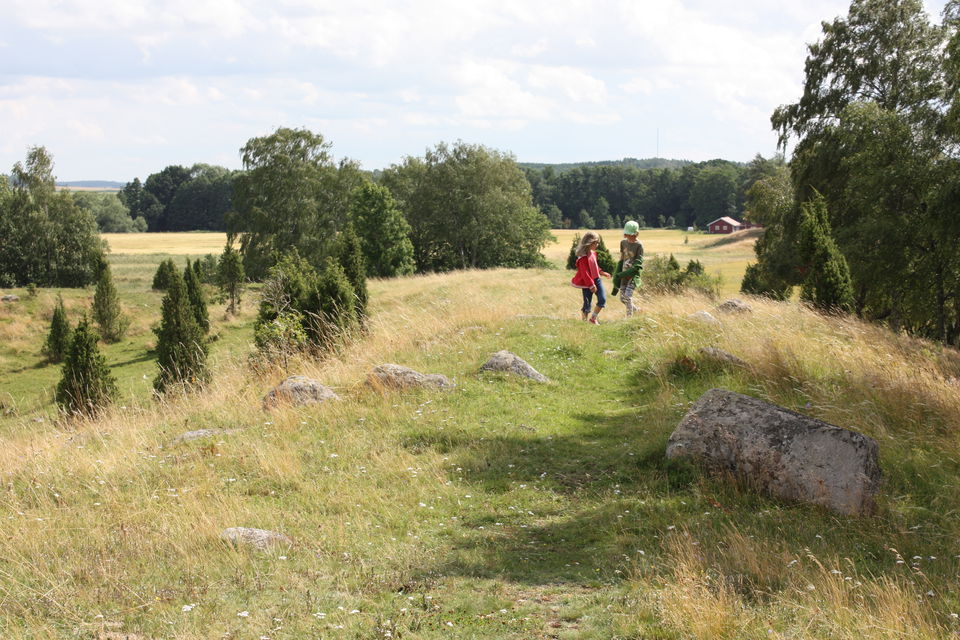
[259, 539]
[10, 297]
[511, 363]
[790, 455]
[395, 376]
[298, 391]
[704, 316]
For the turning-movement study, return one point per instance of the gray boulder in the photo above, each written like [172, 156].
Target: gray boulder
[704, 316]
[395, 376]
[259, 539]
[724, 357]
[734, 305]
[298, 391]
[511, 363]
[790, 455]
[10, 297]
[201, 433]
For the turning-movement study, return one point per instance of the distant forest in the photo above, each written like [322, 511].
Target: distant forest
[657, 192]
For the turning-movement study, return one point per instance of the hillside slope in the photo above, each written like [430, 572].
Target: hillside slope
[503, 508]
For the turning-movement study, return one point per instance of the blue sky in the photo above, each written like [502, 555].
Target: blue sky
[122, 88]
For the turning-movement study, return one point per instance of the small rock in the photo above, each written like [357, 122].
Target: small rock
[10, 298]
[611, 353]
[201, 433]
[395, 376]
[298, 391]
[259, 539]
[734, 305]
[704, 316]
[722, 356]
[511, 363]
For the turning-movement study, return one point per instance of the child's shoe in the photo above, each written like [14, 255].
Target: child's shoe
[594, 320]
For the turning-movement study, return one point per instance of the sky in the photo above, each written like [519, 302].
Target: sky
[117, 89]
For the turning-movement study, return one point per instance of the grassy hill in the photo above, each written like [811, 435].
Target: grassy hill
[501, 509]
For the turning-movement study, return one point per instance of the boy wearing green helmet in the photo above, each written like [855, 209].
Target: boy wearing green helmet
[626, 278]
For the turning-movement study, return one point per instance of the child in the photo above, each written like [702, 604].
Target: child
[627, 274]
[588, 275]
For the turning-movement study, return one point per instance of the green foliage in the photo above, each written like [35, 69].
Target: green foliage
[384, 232]
[663, 275]
[58, 339]
[282, 337]
[86, 385]
[756, 281]
[230, 276]
[45, 238]
[323, 302]
[604, 258]
[163, 186]
[291, 196]
[827, 284]
[111, 214]
[195, 295]
[202, 201]
[469, 207]
[331, 306]
[350, 257]
[166, 272]
[141, 204]
[572, 256]
[714, 194]
[106, 307]
[181, 348]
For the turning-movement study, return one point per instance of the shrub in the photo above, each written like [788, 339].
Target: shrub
[663, 275]
[86, 384]
[58, 340]
[165, 273]
[181, 349]
[195, 295]
[106, 307]
[230, 276]
[350, 255]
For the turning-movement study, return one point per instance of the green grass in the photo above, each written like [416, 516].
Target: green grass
[503, 508]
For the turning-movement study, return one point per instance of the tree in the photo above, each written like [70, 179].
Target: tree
[58, 339]
[714, 194]
[331, 306]
[86, 385]
[197, 300]
[291, 196]
[111, 214]
[165, 273]
[181, 348]
[230, 276]
[350, 257]
[202, 201]
[163, 186]
[384, 233]
[827, 283]
[469, 207]
[45, 238]
[106, 307]
[141, 203]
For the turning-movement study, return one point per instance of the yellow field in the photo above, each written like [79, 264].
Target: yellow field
[187, 243]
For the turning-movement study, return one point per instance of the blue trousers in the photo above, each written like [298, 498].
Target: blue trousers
[588, 296]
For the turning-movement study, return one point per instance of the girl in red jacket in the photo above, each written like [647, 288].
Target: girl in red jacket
[588, 276]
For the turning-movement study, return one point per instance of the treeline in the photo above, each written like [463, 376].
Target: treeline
[865, 219]
[603, 196]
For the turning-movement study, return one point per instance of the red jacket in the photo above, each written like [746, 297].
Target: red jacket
[587, 271]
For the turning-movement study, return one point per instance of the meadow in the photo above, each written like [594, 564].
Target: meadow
[501, 509]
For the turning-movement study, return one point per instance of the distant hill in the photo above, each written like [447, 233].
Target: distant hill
[91, 185]
[645, 163]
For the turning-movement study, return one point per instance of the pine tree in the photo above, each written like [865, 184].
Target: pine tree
[230, 276]
[827, 285]
[106, 307]
[572, 256]
[181, 348]
[198, 301]
[58, 340]
[354, 268]
[86, 384]
[164, 274]
[330, 306]
[604, 260]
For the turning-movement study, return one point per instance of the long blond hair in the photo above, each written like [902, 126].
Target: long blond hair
[586, 240]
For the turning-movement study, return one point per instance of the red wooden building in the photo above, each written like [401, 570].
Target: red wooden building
[725, 224]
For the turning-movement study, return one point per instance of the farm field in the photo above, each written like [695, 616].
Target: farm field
[502, 508]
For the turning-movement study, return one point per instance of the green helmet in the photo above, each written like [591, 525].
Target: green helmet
[631, 228]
